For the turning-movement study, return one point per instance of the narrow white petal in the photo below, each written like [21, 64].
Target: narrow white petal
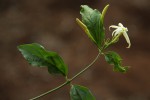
[113, 26]
[120, 25]
[118, 31]
[114, 32]
[127, 39]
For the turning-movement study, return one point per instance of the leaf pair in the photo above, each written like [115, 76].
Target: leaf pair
[36, 55]
[78, 92]
[92, 24]
[114, 59]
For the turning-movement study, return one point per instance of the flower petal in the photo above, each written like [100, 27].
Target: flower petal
[116, 32]
[113, 26]
[127, 39]
[119, 31]
[120, 25]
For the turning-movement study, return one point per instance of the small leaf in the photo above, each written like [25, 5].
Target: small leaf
[114, 59]
[85, 29]
[92, 20]
[78, 92]
[104, 12]
[36, 55]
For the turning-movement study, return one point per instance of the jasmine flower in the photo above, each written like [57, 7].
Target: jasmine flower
[119, 30]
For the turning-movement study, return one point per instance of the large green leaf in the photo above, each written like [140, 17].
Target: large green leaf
[92, 19]
[78, 92]
[114, 59]
[36, 55]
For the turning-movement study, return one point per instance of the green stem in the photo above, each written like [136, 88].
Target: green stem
[112, 41]
[50, 91]
[87, 67]
[68, 80]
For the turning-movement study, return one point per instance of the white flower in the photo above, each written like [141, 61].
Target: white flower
[119, 30]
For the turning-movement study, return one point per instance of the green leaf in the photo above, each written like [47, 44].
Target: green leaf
[36, 55]
[85, 29]
[78, 92]
[114, 59]
[92, 19]
[104, 12]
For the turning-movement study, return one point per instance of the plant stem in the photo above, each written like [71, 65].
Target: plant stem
[50, 91]
[87, 67]
[112, 41]
[68, 80]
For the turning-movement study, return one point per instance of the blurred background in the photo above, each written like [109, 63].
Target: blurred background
[51, 23]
